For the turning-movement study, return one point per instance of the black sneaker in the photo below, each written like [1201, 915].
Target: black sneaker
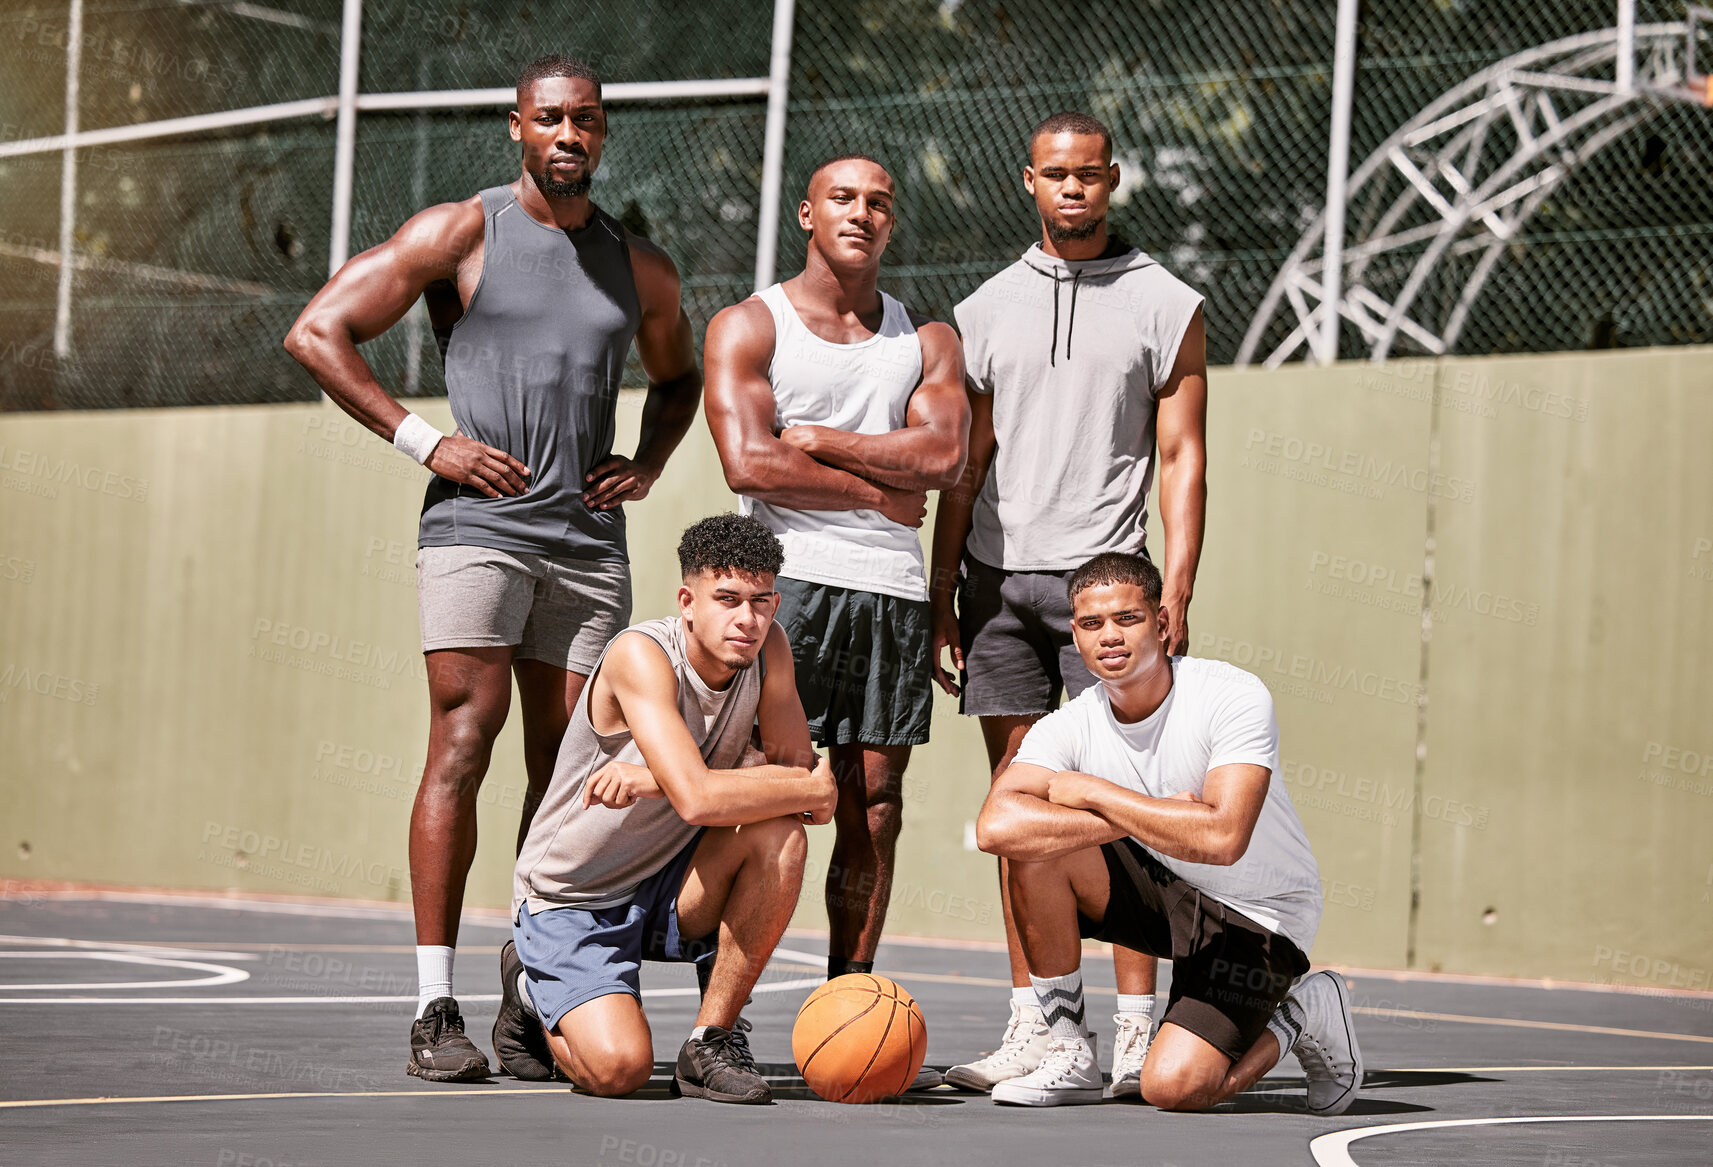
[439, 1051]
[720, 1068]
[520, 1045]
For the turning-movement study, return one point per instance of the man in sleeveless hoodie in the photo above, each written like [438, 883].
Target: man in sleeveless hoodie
[665, 835]
[835, 410]
[1080, 355]
[535, 295]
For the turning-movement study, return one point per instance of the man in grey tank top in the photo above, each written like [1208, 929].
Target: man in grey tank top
[665, 835]
[835, 410]
[535, 295]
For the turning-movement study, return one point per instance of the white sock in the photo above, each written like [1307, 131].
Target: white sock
[1061, 1000]
[699, 1033]
[1142, 1003]
[433, 974]
[1025, 996]
[523, 993]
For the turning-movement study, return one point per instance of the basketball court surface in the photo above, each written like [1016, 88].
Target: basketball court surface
[246, 1033]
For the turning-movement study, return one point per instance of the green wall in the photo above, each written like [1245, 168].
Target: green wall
[210, 676]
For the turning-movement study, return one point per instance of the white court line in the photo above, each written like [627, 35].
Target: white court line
[125, 946]
[648, 994]
[220, 974]
[1333, 1150]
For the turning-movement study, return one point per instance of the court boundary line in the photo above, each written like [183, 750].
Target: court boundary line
[1332, 1150]
[17, 889]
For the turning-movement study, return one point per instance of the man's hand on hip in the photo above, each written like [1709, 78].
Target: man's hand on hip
[493, 472]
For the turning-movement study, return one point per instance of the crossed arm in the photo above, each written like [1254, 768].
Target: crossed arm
[643, 686]
[1033, 813]
[883, 472]
[929, 452]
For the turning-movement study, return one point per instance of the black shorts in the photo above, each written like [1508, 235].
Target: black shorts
[1228, 972]
[862, 663]
[1015, 626]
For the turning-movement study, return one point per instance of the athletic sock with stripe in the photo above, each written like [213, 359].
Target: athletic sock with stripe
[1061, 1001]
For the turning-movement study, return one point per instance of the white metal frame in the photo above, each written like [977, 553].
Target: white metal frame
[1443, 180]
[347, 104]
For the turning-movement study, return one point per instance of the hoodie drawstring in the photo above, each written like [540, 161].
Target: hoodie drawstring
[1053, 353]
[1071, 326]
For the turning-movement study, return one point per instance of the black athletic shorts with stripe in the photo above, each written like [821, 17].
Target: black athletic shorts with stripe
[1228, 972]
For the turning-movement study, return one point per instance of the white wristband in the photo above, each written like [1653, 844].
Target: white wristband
[416, 438]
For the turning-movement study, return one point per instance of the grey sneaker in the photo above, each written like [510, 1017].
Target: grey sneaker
[720, 1068]
[1327, 1051]
[439, 1051]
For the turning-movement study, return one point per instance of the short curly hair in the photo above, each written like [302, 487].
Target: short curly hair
[1117, 567]
[728, 543]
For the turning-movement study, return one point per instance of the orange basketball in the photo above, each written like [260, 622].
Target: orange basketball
[859, 1038]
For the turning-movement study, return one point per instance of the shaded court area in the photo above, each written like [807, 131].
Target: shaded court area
[246, 1033]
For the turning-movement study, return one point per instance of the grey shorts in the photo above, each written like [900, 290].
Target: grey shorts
[861, 662]
[1016, 632]
[556, 610]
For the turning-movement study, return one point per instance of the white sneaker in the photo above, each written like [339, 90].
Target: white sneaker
[1129, 1050]
[1332, 1061]
[1020, 1051]
[1067, 1076]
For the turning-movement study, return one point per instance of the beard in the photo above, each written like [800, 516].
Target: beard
[1065, 233]
[554, 189]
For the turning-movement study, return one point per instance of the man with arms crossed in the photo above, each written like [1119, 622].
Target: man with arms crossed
[535, 295]
[1079, 356]
[1148, 812]
[835, 409]
[665, 835]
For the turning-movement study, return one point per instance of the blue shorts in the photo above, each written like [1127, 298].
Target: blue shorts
[573, 955]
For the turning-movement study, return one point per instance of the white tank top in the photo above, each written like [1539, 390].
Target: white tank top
[863, 388]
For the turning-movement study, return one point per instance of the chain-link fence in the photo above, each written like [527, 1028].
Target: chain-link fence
[192, 254]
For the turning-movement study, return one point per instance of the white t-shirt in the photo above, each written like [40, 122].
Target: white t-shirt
[1215, 715]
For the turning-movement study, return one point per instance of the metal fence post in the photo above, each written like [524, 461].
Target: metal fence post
[773, 149]
[68, 178]
[345, 142]
[1337, 179]
[1626, 73]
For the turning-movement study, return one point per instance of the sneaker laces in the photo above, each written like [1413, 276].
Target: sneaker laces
[1060, 1060]
[1018, 1031]
[1132, 1033]
[1311, 1056]
[737, 1044]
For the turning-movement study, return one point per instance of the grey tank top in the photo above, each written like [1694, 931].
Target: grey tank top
[533, 368]
[594, 857]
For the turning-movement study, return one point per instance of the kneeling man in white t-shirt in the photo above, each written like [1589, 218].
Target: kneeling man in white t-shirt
[1148, 812]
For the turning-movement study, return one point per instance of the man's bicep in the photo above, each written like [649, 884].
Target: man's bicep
[374, 290]
[665, 342]
[739, 397]
[1237, 792]
[646, 689]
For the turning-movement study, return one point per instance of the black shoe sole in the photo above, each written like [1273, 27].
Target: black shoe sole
[473, 1073]
[692, 1090]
